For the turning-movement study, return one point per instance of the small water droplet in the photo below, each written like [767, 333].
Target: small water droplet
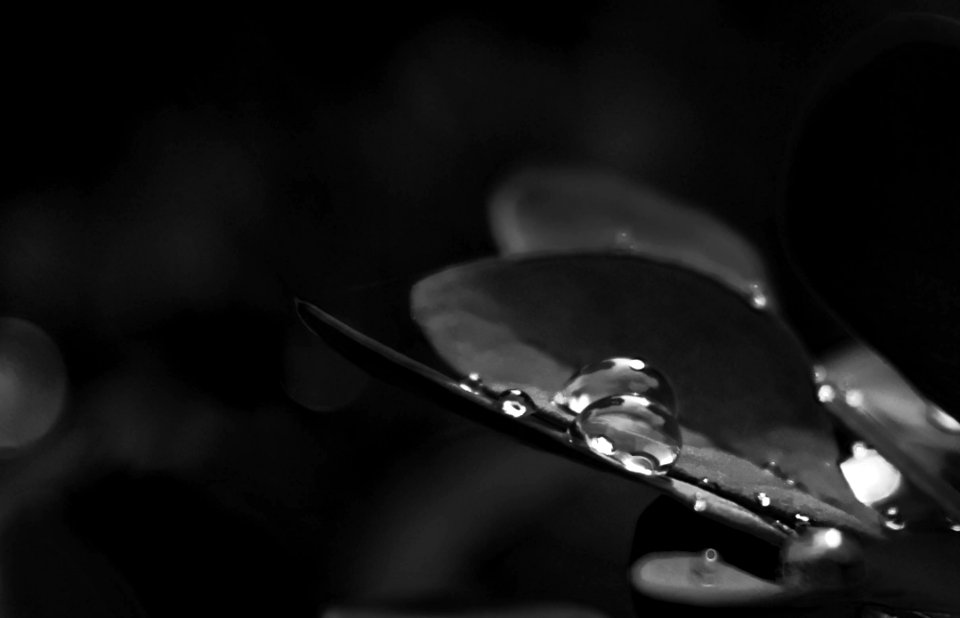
[639, 434]
[758, 298]
[854, 398]
[826, 393]
[699, 503]
[762, 499]
[614, 377]
[953, 525]
[773, 468]
[516, 403]
[802, 519]
[892, 511]
[704, 570]
[473, 384]
[894, 522]
[941, 420]
[819, 374]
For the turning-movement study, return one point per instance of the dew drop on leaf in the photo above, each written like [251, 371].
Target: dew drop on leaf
[516, 403]
[639, 434]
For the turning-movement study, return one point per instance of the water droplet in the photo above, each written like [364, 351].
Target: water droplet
[826, 393]
[892, 511]
[699, 503]
[953, 525]
[758, 298]
[773, 468]
[639, 434]
[941, 420]
[516, 403]
[801, 519]
[473, 384]
[894, 522]
[762, 499]
[823, 558]
[704, 571]
[614, 377]
[854, 398]
[819, 374]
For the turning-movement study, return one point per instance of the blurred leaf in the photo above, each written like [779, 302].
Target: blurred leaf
[33, 382]
[569, 210]
[741, 378]
[534, 611]
[682, 577]
[884, 408]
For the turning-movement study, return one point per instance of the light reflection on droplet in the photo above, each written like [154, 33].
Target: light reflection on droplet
[516, 403]
[614, 377]
[758, 297]
[941, 420]
[826, 393]
[762, 499]
[699, 503]
[640, 435]
[473, 384]
[871, 477]
[894, 523]
[854, 398]
[953, 525]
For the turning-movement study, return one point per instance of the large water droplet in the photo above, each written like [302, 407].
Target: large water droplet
[614, 377]
[639, 434]
[516, 403]
[941, 420]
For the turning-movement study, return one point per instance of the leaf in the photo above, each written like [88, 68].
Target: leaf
[741, 378]
[894, 418]
[569, 210]
[727, 497]
[681, 577]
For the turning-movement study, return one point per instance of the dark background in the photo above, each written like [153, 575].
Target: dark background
[171, 177]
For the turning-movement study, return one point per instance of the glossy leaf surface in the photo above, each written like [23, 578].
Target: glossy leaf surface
[741, 378]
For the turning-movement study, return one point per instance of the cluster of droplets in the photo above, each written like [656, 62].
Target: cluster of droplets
[620, 408]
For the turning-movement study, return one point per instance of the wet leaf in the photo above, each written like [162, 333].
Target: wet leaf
[728, 495]
[741, 378]
[568, 210]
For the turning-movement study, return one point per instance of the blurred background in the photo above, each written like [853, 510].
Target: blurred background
[172, 177]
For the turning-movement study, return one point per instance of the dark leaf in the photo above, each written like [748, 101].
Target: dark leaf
[741, 378]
